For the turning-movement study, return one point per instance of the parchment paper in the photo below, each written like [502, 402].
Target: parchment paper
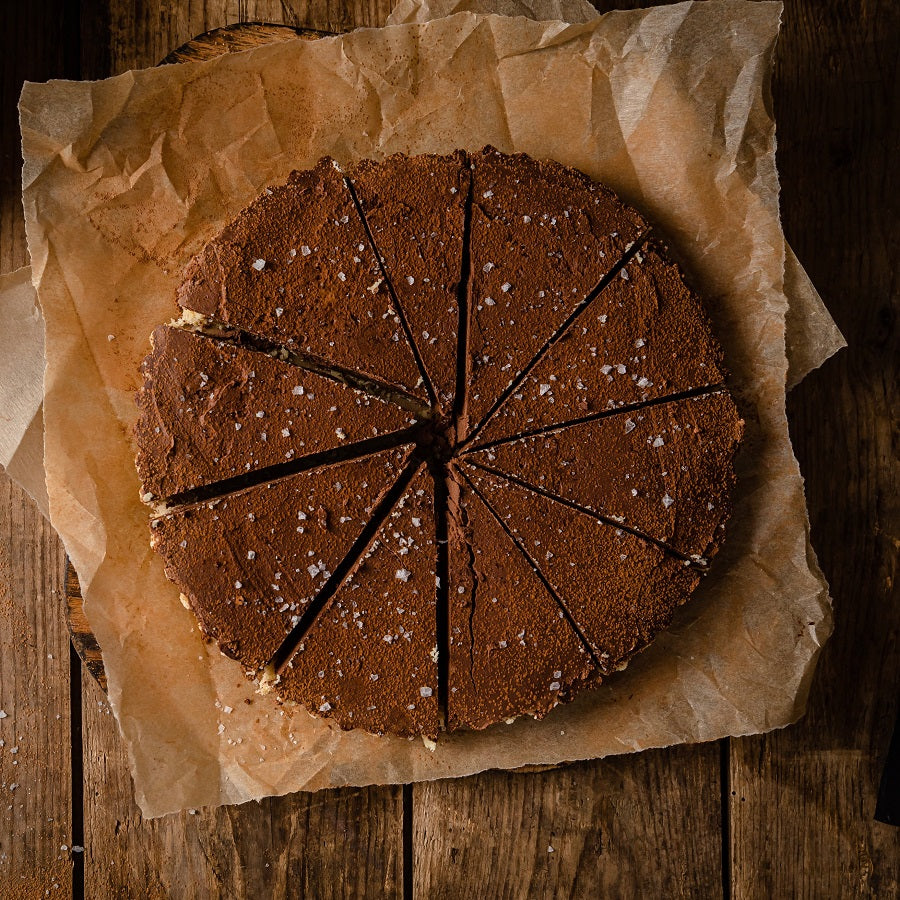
[126, 178]
[22, 385]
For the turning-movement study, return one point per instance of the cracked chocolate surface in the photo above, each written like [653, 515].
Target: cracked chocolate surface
[512, 651]
[446, 442]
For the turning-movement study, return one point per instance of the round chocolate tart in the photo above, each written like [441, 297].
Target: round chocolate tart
[437, 442]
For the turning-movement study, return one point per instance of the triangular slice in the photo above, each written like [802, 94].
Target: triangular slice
[369, 660]
[620, 589]
[511, 647]
[296, 267]
[645, 336]
[250, 563]
[211, 411]
[665, 470]
[542, 238]
[415, 208]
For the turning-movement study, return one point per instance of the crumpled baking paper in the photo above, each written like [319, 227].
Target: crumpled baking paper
[126, 178]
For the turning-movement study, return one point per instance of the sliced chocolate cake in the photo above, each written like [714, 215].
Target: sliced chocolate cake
[646, 335]
[415, 208]
[211, 410]
[664, 470]
[543, 238]
[297, 267]
[439, 444]
[250, 563]
[370, 658]
[619, 589]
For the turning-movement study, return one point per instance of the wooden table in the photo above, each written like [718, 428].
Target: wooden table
[784, 815]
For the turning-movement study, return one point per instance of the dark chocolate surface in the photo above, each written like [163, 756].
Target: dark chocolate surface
[619, 589]
[645, 336]
[415, 209]
[543, 237]
[512, 651]
[296, 267]
[369, 660]
[211, 411]
[250, 563]
[665, 470]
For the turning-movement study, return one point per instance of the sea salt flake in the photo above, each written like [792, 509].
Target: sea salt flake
[505, 287]
[305, 250]
[402, 575]
[544, 389]
[425, 691]
[658, 441]
[667, 501]
[629, 425]
[259, 264]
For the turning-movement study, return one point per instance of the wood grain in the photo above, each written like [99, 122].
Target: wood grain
[35, 816]
[804, 798]
[330, 844]
[638, 826]
[35, 767]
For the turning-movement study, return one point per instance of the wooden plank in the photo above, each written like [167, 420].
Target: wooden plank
[117, 35]
[35, 767]
[329, 844]
[803, 799]
[345, 843]
[631, 826]
[35, 815]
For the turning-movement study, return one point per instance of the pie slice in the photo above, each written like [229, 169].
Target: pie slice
[249, 564]
[415, 209]
[664, 470]
[645, 336]
[543, 236]
[370, 658]
[211, 411]
[512, 650]
[296, 267]
[619, 589]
